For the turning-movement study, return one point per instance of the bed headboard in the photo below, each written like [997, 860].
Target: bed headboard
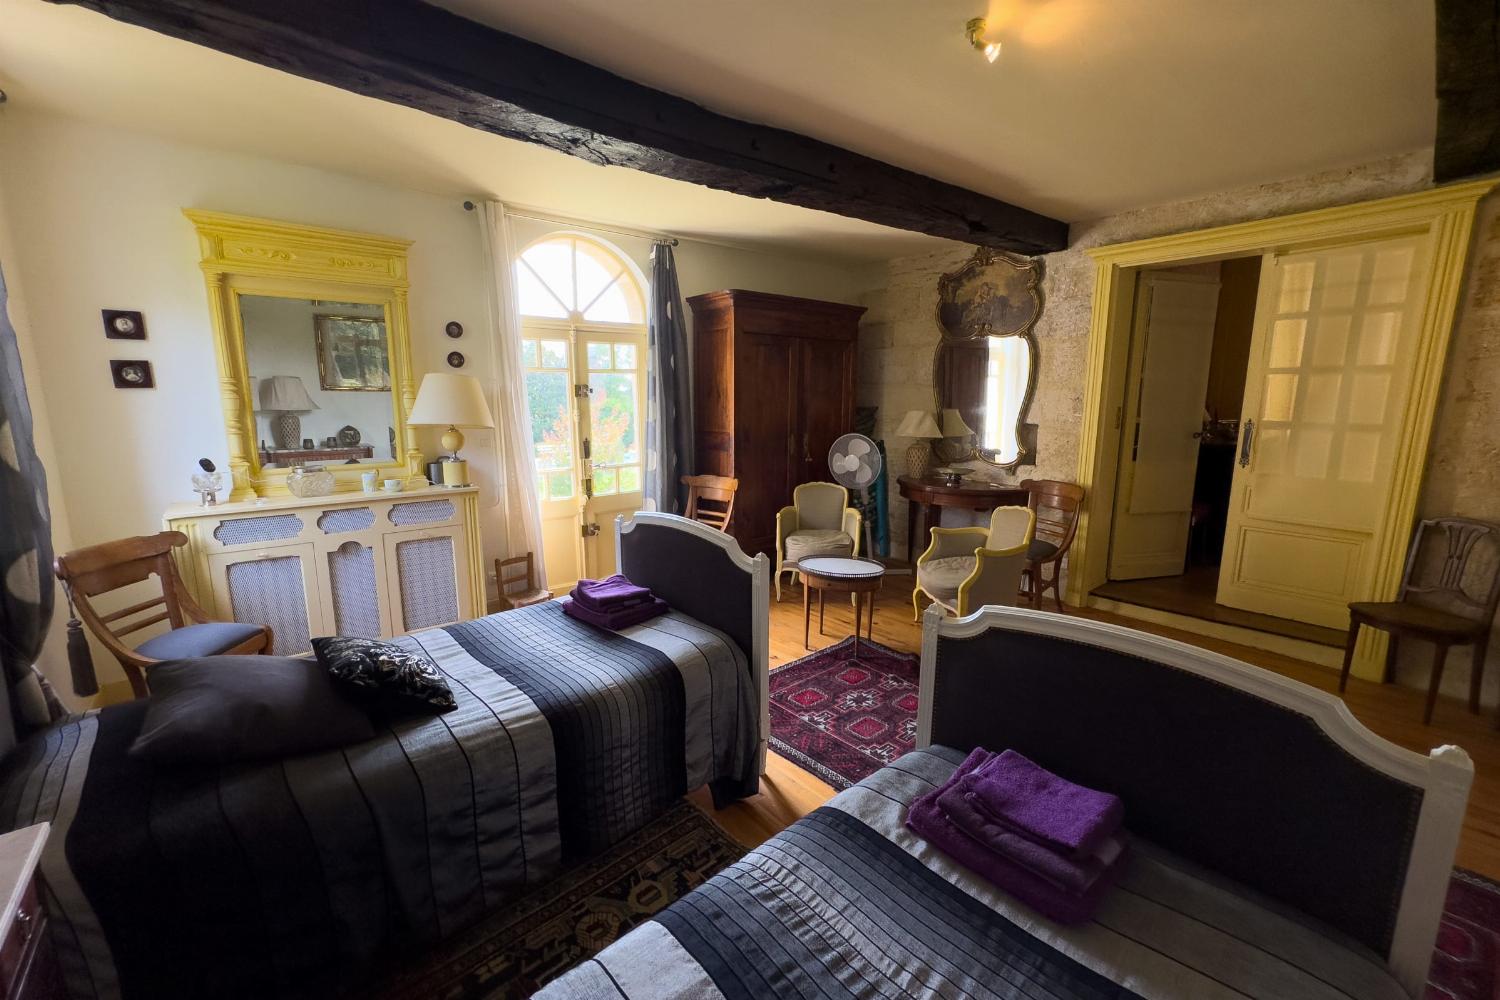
[1262, 779]
[705, 574]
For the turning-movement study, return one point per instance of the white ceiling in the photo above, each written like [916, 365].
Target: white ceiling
[1093, 107]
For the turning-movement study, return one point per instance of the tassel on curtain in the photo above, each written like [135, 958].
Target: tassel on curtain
[669, 403]
[517, 527]
[80, 657]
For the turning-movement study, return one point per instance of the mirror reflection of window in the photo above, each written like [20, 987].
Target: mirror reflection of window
[1007, 369]
[320, 375]
[981, 388]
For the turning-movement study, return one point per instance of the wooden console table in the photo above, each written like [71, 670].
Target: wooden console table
[928, 497]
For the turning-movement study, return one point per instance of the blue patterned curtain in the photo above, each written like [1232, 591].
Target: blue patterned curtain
[669, 403]
[25, 526]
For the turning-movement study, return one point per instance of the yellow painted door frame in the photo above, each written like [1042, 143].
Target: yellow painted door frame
[1444, 215]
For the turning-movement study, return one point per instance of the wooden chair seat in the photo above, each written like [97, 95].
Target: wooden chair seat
[1393, 616]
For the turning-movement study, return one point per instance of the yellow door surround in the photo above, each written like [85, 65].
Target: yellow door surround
[1443, 215]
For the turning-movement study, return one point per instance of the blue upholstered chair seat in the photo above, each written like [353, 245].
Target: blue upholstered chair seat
[208, 639]
[1041, 550]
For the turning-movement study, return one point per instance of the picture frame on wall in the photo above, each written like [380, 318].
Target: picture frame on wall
[124, 324]
[132, 374]
[353, 353]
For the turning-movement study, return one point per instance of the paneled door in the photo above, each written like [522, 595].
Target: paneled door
[1171, 343]
[827, 394]
[1325, 402]
[612, 431]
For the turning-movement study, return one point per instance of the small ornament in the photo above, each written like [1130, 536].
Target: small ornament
[455, 359]
[454, 329]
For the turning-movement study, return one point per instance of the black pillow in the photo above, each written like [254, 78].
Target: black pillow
[384, 675]
[218, 709]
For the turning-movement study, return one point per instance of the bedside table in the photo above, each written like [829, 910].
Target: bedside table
[28, 965]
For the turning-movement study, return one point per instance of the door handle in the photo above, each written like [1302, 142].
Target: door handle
[1246, 437]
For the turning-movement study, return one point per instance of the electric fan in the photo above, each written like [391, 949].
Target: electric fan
[855, 464]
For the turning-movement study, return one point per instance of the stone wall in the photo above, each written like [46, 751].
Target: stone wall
[899, 334]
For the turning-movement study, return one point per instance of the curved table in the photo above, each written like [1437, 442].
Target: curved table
[842, 576]
[928, 496]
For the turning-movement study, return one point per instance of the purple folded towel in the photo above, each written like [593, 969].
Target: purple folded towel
[618, 618]
[1067, 873]
[927, 820]
[1073, 819]
[611, 592]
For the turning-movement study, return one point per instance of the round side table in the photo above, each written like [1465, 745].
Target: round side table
[841, 576]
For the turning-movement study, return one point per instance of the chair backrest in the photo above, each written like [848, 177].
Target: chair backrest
[718, 492]
[820, 506]
[997, 579]
[1454, 564]
[1056, 505]
[513, 571]
[1009, 527]
[109, 566]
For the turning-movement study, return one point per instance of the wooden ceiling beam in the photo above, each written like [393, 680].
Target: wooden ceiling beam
[1468, 89]
[423, 57]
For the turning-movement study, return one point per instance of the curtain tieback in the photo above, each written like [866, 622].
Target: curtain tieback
[80, 659]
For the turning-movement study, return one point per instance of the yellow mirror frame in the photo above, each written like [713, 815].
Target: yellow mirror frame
[247, 256]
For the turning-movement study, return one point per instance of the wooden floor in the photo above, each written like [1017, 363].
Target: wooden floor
[788, 792]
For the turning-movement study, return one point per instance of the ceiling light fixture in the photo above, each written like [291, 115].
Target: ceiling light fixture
[974, 32]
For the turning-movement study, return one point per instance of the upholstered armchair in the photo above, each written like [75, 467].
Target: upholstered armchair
[964, 569]
[819, 522]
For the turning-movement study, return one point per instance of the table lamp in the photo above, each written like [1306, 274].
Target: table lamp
[918, 424]
[453, 401]
[285, 396]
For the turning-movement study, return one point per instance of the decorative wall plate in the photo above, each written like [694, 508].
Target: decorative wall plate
[454, 329]
[456, 359]
[348, 436]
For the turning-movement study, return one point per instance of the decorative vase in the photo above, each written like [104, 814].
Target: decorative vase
[309, 481]
[918, 458]
[287, 430]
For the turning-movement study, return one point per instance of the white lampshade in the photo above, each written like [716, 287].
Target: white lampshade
[285, 393]
[954, 426]
[918, 424]
[450, 400]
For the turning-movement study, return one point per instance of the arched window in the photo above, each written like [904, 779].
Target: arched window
[583, 345]
[574, 278]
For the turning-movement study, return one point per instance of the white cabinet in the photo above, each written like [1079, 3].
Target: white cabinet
[372, 565]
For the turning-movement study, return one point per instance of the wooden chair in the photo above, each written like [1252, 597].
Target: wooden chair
[719, 492]
[518, 571]
[1437, 600]
[99, 569]
[1056, 506]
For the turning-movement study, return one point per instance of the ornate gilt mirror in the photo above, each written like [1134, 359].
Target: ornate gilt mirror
[984, 369]
[310, 327]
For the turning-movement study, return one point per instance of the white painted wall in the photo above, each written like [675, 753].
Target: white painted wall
[94, 219]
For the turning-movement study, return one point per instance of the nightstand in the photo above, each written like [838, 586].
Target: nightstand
[28, 964]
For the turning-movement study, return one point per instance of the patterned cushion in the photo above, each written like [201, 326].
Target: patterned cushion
[384, 674]
[941, 577]
[801, 545]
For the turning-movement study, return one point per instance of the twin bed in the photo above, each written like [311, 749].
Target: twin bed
[1283, 850]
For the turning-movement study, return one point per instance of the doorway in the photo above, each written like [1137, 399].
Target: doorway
[1326, 483]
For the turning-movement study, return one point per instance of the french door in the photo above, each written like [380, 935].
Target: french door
[1331, 366]
[587, 393]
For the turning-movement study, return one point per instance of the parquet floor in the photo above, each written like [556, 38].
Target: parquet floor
[788, 792]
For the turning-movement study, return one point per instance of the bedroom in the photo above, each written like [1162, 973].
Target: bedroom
[110, 131]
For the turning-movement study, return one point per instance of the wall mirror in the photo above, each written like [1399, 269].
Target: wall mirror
[314, 357]
[984, 369]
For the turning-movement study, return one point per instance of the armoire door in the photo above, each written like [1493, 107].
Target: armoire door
[827, 393]
[767, 435]
[1325, 404]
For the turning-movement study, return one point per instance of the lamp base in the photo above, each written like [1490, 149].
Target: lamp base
[455, 472]
[286, 429]
[918, 459]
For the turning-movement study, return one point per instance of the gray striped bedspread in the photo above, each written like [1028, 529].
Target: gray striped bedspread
[291, 877]
[848, 903]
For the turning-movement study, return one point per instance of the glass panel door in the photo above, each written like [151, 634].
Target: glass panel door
[612, 437]
[547, 356]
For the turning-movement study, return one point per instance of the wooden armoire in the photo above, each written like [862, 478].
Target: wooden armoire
[773, 381]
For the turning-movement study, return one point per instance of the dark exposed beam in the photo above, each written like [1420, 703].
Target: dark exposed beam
[426, 58]
[1468, 89]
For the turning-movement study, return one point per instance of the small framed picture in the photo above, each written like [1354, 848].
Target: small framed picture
[124, 324]
[454, 329]
[132, 374]
[456, 359]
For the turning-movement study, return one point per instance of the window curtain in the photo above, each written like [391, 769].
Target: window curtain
[518, 529]
[27, 591]
[669, 403]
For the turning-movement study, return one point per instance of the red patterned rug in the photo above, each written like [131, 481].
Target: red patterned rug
[844, 719]
[1466, 964]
